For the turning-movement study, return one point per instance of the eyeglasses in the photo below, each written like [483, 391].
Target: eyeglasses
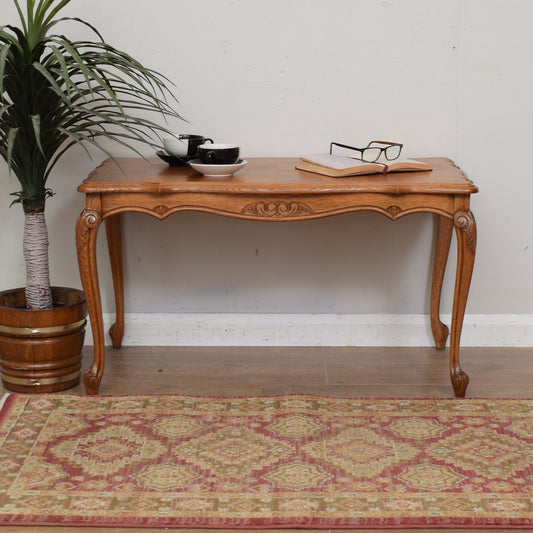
[372, 153]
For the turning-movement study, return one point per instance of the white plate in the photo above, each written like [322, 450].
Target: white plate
[217, 171]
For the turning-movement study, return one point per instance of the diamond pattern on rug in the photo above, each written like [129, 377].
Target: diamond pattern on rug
[297, 476]
[485, 451]
[233, 451]
[165, 477]
[430, 477]
[361, 452]
[287, 461]
[178, 426]
[296, 426]
[106, 451]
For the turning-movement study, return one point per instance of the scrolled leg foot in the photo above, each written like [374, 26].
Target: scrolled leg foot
[459, 382]
[440, 334]
[116, 332]
[91, 380]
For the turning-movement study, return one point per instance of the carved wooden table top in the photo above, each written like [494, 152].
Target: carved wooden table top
[152, 175]
[272, 189]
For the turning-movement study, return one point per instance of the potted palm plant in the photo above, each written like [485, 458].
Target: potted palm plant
[56, 93]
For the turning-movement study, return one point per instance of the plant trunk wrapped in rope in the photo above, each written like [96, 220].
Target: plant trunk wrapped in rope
[56, 93]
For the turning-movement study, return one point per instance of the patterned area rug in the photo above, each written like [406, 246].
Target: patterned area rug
[288, 461]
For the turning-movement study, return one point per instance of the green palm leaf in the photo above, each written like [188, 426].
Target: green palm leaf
[56, 93]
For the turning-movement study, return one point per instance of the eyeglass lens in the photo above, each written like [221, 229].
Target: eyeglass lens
[373, 153]
[393, 152]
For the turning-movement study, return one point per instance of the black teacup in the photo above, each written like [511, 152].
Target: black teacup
[218, 154]
[185, 144]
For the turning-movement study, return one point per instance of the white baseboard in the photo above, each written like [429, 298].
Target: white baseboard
[196, 329]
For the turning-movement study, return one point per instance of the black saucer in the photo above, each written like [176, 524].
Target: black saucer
[173, 160]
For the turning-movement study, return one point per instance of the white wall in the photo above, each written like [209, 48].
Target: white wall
[284, 77]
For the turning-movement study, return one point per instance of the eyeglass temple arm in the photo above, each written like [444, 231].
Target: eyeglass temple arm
[343, 146]
[384, 142]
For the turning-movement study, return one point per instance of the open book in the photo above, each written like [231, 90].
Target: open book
[337, 166]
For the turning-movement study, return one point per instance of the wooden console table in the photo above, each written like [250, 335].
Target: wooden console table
[272, 189]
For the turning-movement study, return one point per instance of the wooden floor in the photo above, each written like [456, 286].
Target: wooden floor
[349, 372]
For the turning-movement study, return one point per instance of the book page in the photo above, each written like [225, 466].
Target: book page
[407, 164]
[339, 162]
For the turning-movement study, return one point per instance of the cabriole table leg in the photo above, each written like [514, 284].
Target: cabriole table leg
[442, 248]
[86, 233]
[114, 244]
[465, 228]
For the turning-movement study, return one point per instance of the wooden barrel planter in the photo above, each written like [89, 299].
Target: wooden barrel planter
[40, 350]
